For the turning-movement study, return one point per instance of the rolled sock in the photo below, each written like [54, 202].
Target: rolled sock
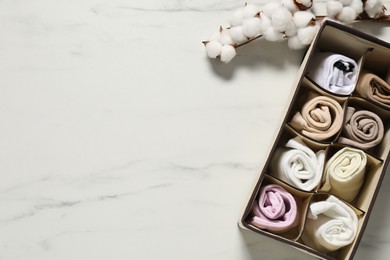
[298, 165]
[333, 72]
[330, 225]
[276, 209]
[345, 172]
[374, 89]
[363, 129]
[320, 118]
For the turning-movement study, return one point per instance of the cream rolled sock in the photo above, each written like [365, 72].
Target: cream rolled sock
[330, 225]
[345, 172]
[298, 165]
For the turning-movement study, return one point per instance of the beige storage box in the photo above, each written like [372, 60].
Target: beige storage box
[371, 55]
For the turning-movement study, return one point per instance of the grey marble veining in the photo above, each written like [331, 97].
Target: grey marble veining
[121, 140]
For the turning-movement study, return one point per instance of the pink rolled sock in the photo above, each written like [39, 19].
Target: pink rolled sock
[276, 209]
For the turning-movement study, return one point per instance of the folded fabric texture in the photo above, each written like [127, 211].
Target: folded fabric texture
[276, 209]
[333, 72]
[298, 165]
[363, 129]
[330, 225]
[320, 118]
[375, 89]
[345, 172]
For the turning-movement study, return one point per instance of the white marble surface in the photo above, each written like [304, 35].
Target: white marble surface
[120, 140]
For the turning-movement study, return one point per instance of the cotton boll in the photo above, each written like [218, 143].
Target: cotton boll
[294, 43]
[347, 14]
[213, 49]
[270, 8]
[251, 11]
[251, 27]
[273, 35]
[265, 22]
[215, 36]
[333, 8]
[303, 18]
[290, 5]
[306, 3]
[281, 18]
[345, 2]
[306, 35]
[373, 4]
[291, 29]
[357, 5]
[373, 7]
[237, 17]
[237, 34]
[227, 53]
[225, 37]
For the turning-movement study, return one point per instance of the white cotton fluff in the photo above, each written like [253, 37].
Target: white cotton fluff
[237, 34]
[290, 5]
[237, 17]
[270, 8]
[306, 35]
[291, 29]
[251, 11]
[213, 49]
[345, 2]
[373, 7]
[357, 5]
[215, 36]
[265, 22]
[251, 27]
[294, 43]
[227, 53]
[225, 37]
[333, 8]
[347, 14]
[273, 35]
[281, 18]
[303, 18]
[306, 3]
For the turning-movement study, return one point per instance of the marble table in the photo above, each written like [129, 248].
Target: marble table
[121, 140]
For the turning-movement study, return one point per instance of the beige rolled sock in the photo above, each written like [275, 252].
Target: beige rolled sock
[374, 89]
[345, 173]
[320, 118]
[363, 129]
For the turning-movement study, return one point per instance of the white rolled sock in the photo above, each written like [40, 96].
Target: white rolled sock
[298, 165]
[330, 225]
[323, 69]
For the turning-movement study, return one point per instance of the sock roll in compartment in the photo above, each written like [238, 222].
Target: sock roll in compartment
[345, 173]
[333, 72]
[298, 165]
[276, 210]
[375, 89]
[320, 118]
[363, 129]
[330, 225]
